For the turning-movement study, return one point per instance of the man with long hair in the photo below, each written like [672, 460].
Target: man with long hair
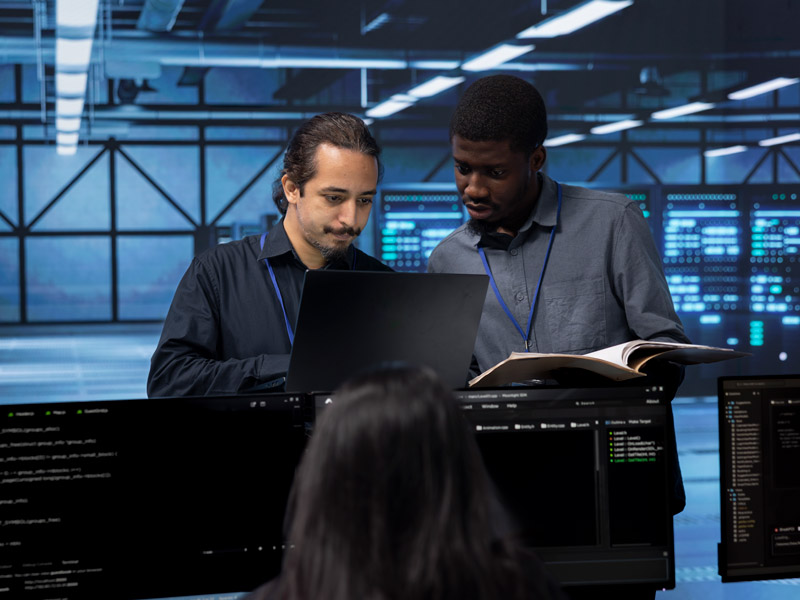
[391, 501]
[230, 325]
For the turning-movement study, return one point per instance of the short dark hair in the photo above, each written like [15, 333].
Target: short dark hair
[391, 500]
[501, 107]
[337, 129]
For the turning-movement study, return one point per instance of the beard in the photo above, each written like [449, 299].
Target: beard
[335, 252]
[481, 227]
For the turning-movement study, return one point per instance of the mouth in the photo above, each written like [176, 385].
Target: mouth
[343, 235]
[478, 211]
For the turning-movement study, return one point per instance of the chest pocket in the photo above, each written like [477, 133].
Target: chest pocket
[576, 316]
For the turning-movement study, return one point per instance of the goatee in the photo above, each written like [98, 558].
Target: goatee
[481, 227]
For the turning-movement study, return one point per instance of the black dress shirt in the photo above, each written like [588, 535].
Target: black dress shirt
[225, 330]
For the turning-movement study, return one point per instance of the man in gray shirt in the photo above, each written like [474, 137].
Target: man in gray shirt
[572, 270]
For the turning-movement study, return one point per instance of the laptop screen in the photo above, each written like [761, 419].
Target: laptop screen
[145, 498]
[351, 320]
[759, 451]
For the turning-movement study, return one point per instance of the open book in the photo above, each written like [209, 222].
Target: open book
[619, 362]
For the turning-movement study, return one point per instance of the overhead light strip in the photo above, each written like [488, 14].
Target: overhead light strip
[618, 126]
[680, 111]
[563, 140]
[725, 151]
[75, 24]
[435, 86]
[391, 106]
[762, 88]
[496, 57]
[781, 139]
[574, 19]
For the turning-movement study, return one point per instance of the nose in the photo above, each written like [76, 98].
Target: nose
[347, 213]
[476, 186]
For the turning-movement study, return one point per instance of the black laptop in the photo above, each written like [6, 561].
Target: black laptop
[350, 321]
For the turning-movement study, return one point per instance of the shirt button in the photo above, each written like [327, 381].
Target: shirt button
[520, 297]
[514, 252]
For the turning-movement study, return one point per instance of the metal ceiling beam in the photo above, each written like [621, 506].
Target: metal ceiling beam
[199, 52]
[159, 15]
[227, 114]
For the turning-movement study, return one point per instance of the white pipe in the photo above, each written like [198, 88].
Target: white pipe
[196, 52]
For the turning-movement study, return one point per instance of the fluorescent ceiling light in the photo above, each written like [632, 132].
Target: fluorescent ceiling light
[762, 88]
[679, 111]
[76, 13]
[66, 139]
[434, 65]
[300, 62]
[782, 139]
[562, 140]
[618, 126]
[75, 54]
[495, 57]
[69, 107]
[434, 86]
[66, 149]
[376, 23]
[724, 151]
[68, 123]
[577, 18]
[391, 106]
[70, 84]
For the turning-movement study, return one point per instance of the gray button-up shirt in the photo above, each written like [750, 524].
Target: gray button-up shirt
[603, 284]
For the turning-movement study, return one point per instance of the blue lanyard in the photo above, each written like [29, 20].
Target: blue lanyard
[525, 333]
[289, 330]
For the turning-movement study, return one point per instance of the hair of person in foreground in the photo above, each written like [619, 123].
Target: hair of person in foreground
[391, 501]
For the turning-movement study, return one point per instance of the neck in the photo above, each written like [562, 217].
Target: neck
[514, 223]
[309, 255]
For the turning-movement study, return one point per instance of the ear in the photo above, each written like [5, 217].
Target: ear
[290, 190]
[538, 158]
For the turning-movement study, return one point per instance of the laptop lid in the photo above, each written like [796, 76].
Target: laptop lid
[351, 320]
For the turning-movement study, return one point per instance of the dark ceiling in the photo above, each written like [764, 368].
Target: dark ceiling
[748, 41]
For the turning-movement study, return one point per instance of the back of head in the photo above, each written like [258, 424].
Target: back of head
[391, 499]
[501, 107]
[341, 130]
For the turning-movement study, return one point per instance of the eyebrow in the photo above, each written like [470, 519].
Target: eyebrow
[338, 190]
[500, 165]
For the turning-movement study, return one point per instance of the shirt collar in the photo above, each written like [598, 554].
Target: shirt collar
[278, 244]
[545, 210]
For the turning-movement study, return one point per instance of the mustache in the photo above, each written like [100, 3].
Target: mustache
[352, 232]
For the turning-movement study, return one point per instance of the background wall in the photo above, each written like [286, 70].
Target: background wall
[185, 124]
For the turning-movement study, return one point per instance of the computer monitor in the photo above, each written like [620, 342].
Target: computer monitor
[141, 499]
[759, 451]
[585, 476]
[412, 219]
